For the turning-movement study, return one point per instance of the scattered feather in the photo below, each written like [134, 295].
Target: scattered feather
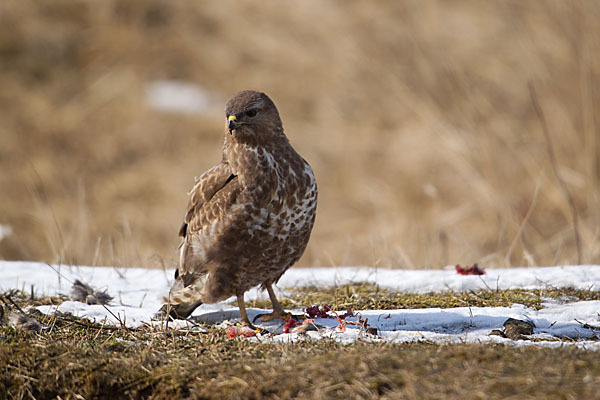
[86, 294]
[25, 323]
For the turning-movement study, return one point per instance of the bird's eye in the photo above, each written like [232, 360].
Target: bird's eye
[251, 113]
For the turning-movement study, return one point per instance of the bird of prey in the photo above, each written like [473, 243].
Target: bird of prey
[249, 217]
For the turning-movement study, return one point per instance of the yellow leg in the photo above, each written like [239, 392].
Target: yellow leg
[243, 314]
[278, 311]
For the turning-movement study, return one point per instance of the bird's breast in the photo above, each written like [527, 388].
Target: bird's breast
[285, 194]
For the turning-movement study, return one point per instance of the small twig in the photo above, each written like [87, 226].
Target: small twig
[485, 283]
[118, 318]
[476, 295]
[143, 298]
[7, 296]
[53, 319]
[168, 315]
[588, 326]
[101, 327]
[554, 163]
[90, 326]
[121, 275]
[60, 276]
[99, 332]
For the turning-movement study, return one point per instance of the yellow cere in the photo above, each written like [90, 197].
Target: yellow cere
[232, 118]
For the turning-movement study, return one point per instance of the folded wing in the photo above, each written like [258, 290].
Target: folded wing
[208, 217]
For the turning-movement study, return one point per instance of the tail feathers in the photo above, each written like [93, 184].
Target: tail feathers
[176, 311]
[182, 295]
[182, 300]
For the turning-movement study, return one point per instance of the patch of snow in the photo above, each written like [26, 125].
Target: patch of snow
[424, 281]
[5, 231]
[138, 295]
[181, 97]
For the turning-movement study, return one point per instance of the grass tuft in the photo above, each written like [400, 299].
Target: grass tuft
[367, 296]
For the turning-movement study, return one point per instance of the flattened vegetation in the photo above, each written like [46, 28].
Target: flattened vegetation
[75, 357]
[73, 360]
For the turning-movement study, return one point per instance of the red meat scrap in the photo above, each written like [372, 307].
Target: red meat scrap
[306, 325]
[289, 324]
[325, 311]
[239, 330]
[318, 311]
[473, 270]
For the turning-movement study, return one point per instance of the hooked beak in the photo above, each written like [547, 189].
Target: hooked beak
[232, 124]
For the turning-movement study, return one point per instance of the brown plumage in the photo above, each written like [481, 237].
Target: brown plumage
[249, 217]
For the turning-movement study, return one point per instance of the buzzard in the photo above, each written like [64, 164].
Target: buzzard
[249, 217]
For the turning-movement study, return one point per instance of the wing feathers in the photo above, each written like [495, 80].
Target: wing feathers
[208, 214]
[205, 188]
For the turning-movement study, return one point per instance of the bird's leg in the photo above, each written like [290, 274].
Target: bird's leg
[278, 311]
[243, 314]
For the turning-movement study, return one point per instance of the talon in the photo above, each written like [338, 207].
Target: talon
[256, 329]
[274, 315]
[262, 331]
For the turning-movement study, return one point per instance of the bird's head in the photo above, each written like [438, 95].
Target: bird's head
[252, 116]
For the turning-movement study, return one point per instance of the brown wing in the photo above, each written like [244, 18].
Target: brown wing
[209, 215]
[207, 185]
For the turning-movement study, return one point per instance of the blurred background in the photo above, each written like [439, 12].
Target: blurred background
[416, 117]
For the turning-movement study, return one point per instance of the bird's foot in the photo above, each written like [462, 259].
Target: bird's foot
[277, 315]
[247, 324]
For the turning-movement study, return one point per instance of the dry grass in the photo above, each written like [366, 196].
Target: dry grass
[97, 366]
[76, 358]
[416, 117]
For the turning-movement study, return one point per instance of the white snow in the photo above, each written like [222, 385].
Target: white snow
[5, 231]
[138, 295]
[181, 97]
